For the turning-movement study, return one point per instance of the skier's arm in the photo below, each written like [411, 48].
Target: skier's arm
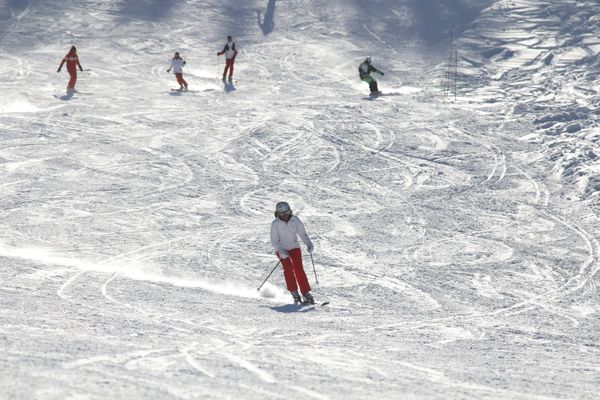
[276, 244]
[235, 52]
[171, 66]
[304, 236]
[79, 65]
[222, 51]
[61, 64]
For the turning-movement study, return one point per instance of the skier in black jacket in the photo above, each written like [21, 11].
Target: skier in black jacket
[364, 71]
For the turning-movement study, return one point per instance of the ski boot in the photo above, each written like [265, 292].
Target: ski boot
[230, 80]
[308, 299]
[296, 296]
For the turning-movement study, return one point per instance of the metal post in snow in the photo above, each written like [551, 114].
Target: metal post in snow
[455, 73]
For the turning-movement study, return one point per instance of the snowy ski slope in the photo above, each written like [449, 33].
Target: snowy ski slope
[456, 240]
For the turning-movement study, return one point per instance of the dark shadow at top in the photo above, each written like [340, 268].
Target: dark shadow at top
[426, 21]
[149, 10]
[268, 23]
[9, 8]
[436, 18]
[17, 4]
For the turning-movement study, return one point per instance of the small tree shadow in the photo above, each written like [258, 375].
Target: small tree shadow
[268, 23]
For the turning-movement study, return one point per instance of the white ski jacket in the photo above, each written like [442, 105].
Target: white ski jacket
[284, 235]
[177, 65]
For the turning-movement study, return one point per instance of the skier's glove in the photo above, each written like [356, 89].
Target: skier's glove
[310, 247]
[183, 63]
[169, 70]
[58, 70]
[283, 255]
[381, 73]
[81, 69]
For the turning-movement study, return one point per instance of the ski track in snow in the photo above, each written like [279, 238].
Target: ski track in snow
[456, 241]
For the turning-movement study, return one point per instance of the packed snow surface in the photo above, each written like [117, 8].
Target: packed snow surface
[454, 217]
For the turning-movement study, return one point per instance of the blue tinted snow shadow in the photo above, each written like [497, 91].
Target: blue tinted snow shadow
[268, 23]
[150, 10]
[436, 18]
[67, 96]
[432, 20]
[10, 8]
[292, 308]
[229, 87]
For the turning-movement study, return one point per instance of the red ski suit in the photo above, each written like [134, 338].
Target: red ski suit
[230, 53]
[72, 61]
[284, 239]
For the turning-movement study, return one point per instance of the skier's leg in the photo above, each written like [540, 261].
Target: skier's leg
[375, 85]
[73, 80]
[230, 68]
[288, 274]
[296, 256]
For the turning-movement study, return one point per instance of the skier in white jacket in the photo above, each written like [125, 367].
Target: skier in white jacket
[177, 64]
[285, 230]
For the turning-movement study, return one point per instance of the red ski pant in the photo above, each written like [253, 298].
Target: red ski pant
[228, 66]
[293, 271]
[73, 80]
[180, 80]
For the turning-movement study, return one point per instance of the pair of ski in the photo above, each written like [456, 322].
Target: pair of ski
[303, 304]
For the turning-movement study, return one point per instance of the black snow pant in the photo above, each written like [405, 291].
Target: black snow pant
[373, 86]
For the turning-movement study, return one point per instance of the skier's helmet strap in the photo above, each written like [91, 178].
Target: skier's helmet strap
[282, 207]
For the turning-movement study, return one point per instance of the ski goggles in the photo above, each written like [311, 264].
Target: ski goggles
[284, 213]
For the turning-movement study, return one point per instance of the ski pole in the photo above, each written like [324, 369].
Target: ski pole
[265, 281]
[314, 269]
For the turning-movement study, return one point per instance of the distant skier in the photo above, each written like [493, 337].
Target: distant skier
[230, 53]
[72, 61]
[364, 71]
[177, 64]
[285, 230]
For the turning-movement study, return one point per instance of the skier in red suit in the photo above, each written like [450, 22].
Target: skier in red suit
[72, 62]
[230, 53]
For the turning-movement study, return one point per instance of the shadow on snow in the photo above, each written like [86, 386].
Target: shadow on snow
[291, 308]
[150, 10]
[268, 22]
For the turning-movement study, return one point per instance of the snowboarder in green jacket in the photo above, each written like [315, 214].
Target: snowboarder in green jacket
[364, 71]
